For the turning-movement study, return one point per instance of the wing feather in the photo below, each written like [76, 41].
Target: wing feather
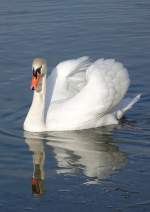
[106, 83]
[67, 78]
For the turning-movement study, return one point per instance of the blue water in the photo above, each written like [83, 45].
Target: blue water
[106, 169]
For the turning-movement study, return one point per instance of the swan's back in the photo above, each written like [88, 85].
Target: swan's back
[103, 84]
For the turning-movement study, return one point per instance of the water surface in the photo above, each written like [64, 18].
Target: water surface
[103, 169]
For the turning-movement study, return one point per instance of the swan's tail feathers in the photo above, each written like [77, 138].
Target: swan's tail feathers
[125, 105]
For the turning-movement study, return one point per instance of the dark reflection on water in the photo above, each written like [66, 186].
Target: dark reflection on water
[90, 152]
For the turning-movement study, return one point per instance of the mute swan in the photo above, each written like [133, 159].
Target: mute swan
[78, 95]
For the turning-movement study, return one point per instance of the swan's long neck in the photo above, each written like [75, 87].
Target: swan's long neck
[34, 121]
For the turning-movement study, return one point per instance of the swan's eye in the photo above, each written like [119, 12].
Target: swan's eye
[34, 72]
[37, 71]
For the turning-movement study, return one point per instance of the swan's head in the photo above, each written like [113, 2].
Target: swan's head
[39, 70]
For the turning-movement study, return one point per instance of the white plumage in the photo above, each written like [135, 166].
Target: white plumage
[81, 94]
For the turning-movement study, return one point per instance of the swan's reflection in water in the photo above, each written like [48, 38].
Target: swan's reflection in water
[93, 153]
[36, 146]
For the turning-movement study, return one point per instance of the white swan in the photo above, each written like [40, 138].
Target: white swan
[78, 95]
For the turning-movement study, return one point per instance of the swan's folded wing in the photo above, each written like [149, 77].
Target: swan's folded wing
[67, 79]
[106, 84]
[112, 82]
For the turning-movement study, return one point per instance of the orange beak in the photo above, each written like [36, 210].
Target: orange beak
[35, 81]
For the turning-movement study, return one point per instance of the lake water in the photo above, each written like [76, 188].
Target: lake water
[106, 169]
